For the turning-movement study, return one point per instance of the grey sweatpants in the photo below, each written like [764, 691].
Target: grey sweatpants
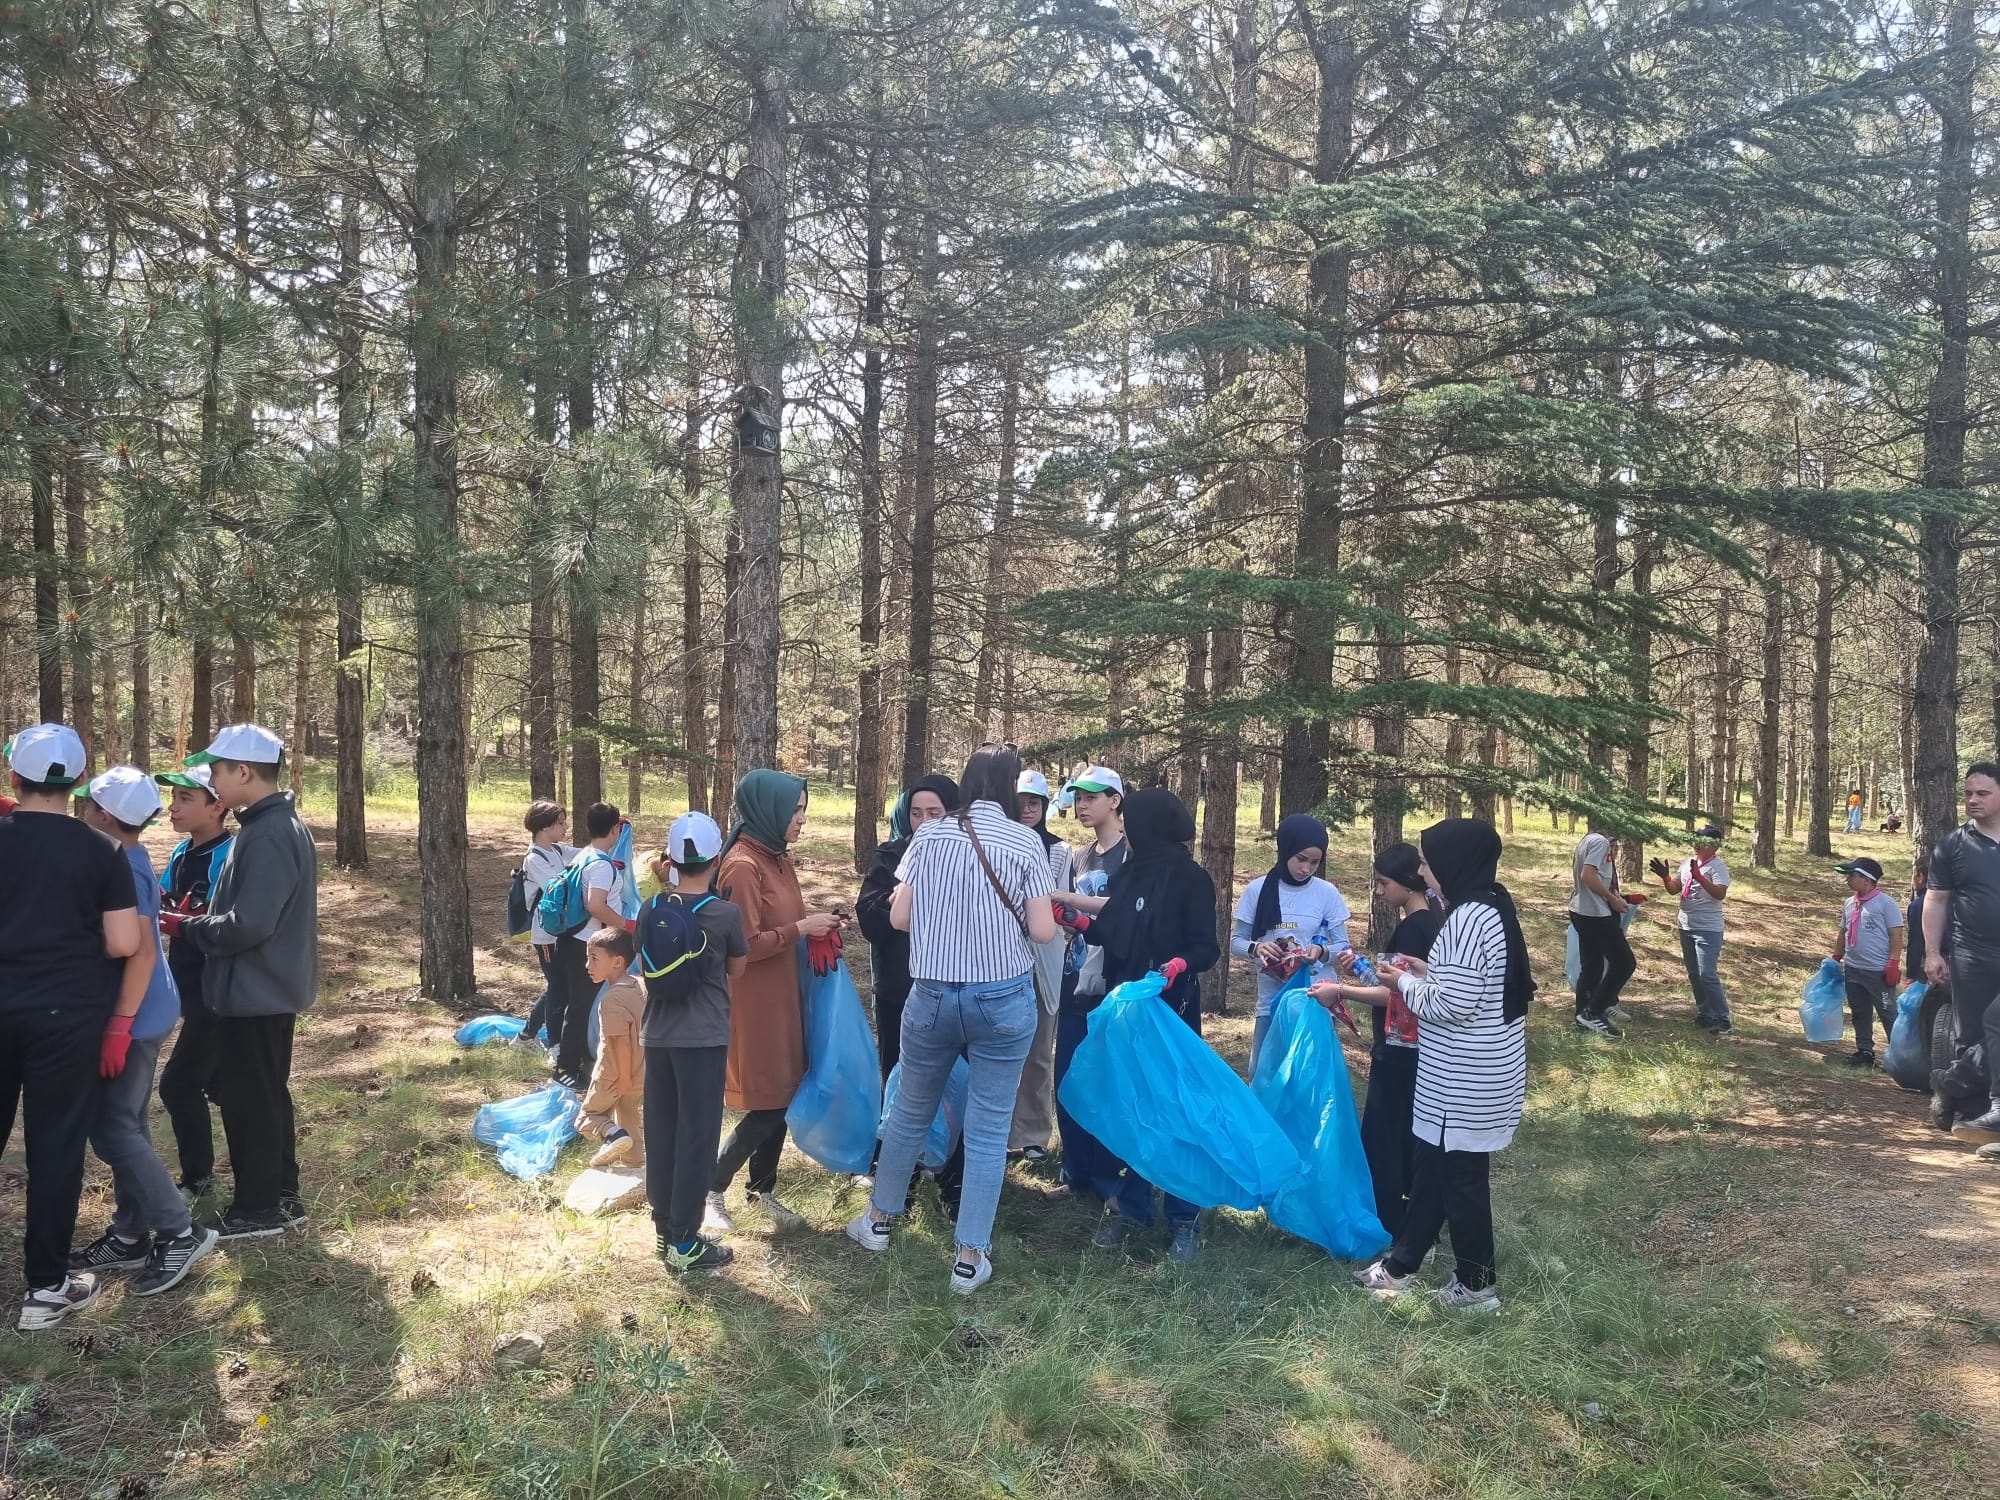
[147, 1201]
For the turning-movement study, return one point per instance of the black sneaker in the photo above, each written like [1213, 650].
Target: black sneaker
[1860, 1059]
[1034, 1156]
[706, 1255]
[110, 1253]
[1590, 1021]
[193, 1191]
[172, 1259]
[293, 1207]
[241, 1224]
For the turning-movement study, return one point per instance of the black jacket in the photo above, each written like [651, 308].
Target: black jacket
[888, 949]
[1184, 928]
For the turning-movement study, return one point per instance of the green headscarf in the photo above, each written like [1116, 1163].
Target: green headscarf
[765, 802]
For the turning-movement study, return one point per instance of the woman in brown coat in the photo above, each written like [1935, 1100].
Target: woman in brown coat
[767, 1047]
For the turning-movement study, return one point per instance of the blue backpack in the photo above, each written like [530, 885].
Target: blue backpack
[561, 909]
[669, 935]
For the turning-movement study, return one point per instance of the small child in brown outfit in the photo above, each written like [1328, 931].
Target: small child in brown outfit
[612, 1108]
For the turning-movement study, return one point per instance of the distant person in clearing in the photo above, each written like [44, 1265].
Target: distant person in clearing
[1702, 883]
[1866, 946]
[1854, 804]
[1597, 912]
[614, 1105]
[1962, 949]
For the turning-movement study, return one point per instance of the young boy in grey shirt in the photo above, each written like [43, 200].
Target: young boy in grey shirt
[1870, 924]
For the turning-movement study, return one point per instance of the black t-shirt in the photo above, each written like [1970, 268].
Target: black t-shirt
[1967, 864]
[189, 876]
[1412, 938]
[58, 877]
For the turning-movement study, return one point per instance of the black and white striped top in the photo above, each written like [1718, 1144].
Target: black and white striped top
[959, 931]
[1472, 1066]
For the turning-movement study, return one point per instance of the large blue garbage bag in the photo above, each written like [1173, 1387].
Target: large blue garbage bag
[1908, 1059]
[489, 1029]
[1302, 1081]
[1161, 1100]
[949, 1122]
[1823, 1003]
[838, 1107]
[530, 1131]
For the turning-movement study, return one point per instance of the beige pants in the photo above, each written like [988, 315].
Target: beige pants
[628, 1110]
[1034, 1102]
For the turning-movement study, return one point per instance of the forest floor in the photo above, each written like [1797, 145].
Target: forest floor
[1730, 1268]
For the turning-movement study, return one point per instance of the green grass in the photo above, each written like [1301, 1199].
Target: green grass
[1651, 1345]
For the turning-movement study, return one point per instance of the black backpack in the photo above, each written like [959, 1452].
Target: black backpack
[520, 910]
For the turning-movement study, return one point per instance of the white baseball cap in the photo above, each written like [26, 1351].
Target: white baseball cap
[1032, 784]
[1099, 779]
[127, 793]
[249, 742]
[199, 777]
[51, 753]
[694, 839]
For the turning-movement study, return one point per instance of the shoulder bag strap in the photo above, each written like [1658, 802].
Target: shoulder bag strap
[1020, 916]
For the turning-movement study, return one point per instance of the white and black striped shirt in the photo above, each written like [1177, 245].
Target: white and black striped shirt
[1472, 1066]
[959, 931]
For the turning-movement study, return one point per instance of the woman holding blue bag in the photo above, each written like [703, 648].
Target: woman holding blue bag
[1471, 1001]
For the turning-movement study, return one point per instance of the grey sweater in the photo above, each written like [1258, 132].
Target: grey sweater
[261, 933]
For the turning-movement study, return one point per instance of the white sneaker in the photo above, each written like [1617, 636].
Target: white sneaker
[869, 1233]
[44, 1307]
[967, 1279]
[1375, 1278]
[715, 1217]
[782, 1216]
[1456, 1294]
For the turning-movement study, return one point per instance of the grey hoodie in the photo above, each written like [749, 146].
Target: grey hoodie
[261, 933]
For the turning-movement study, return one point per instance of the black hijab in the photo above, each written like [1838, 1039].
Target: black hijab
[1295, 833]
[1041, 824]
[1138, 915]
[1464, 857]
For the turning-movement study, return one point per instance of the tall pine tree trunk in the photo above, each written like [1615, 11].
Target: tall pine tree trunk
[243, 678]
[350, 704]
[1764, 845]
[694, 654]
[48, 583]
[723, 795]
[76, 549]
[868, 756]
[142, 687]
[995, 602]
[445, 920]
[301, 705]
[1639, 748]
[586, 685]
[1819, 799]
[757, 487]
[1934, 805]
[635, 698]
[1720, 790]
[923, 520]
[201, 694]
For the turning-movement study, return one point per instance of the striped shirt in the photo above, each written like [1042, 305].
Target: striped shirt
[1472, 1070]
[959, 931]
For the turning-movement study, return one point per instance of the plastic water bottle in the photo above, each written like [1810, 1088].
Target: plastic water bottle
[1364, 970]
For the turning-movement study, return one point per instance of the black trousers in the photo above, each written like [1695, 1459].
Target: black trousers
[570, 994]
[1865, 992]
[187, 1087]
[889, 1002]
[48, 1074]
[253, 1088]
[683, 1123]
[1449, 1187]
[1385, 1131]
[759, 1138]
[1975, 999]
[1604, 962]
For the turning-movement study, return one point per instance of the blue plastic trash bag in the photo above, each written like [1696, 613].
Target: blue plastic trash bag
[1302, 1080]
[1572, 956]
[1823, 1003]
[838, 1107]
[1161, 1100]
[489, 1029]
[949, 1122]
[542, 1033]
[1908, 1059]
[530, 1131]
[628, 888]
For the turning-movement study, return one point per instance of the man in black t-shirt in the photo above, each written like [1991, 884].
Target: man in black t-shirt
[1962, 912]
[68, 919]
[187, 1082]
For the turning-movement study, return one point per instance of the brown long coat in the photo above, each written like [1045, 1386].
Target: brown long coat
[767, 1035]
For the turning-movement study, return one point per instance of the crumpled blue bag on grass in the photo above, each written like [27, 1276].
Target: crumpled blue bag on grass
[1301, 1079]
[1163, 1101]
[530, 1131]
[837, 1110]
[949, 1122]
[1823, 1003]
[489, 1029]
[1908, 1059]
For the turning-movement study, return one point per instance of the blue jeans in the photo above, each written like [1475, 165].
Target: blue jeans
[993, 1024]
[1854, 820]
[141, 1186]
[1699, 951]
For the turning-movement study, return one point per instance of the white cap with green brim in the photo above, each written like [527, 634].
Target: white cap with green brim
[127, 793]
[49, 753]
[200, 778]
[1099, 779]
[245, 742]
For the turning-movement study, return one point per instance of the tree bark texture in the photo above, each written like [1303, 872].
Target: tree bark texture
[1819, 798]
[923, 522]
[350, 700]
[1764, 843]
[142, 687]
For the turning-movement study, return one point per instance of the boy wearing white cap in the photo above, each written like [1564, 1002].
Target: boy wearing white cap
[260, 937]
[691, 944]
[187, 1083]
[151, 1230]
[68, 921]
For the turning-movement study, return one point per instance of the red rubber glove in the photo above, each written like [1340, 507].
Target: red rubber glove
[631, 924]
[1894, 973]
[1634, 898]
[170, 923]
[1173, 970]
[1070, 917]
[823, 950]
[117, 1042]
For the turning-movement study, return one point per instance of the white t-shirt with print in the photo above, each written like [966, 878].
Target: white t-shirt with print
[1315, 912]
[1701, 912]
[602, 874]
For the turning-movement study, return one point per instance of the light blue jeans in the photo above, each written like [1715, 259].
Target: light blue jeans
[1699, 951]
[993, 1024]
[147, 1202]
